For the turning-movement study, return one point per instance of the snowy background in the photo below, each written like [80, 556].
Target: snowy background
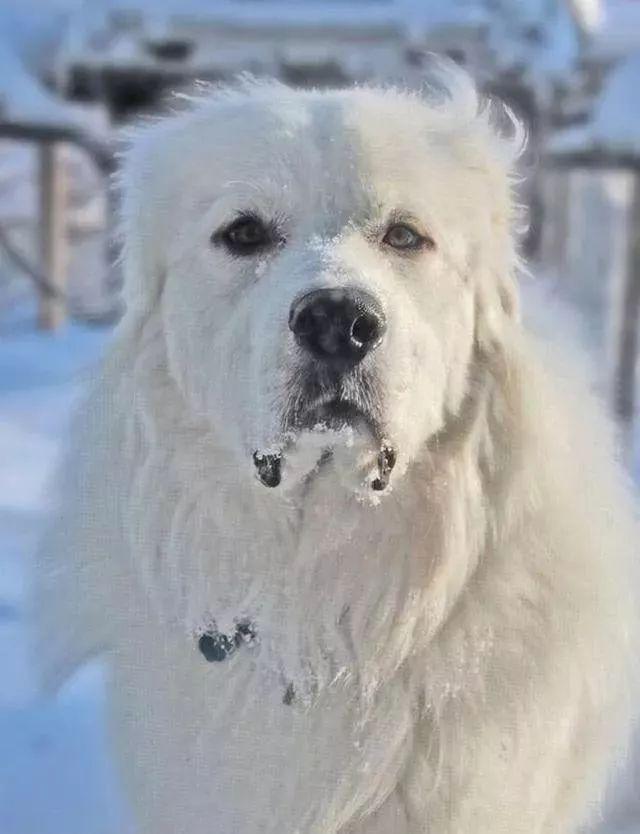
[575, 64]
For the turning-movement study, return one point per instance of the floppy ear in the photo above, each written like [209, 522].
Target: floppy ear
[497, 260]
[497, 303]
[145, 186]
[493, 139]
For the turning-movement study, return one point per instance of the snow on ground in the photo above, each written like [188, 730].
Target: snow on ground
[55, 775]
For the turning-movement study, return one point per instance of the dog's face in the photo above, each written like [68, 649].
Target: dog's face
[321, 259]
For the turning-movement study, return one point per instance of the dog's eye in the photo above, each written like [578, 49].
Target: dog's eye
[401, 236]
[247, 235]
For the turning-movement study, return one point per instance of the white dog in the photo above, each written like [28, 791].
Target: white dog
[361, 564]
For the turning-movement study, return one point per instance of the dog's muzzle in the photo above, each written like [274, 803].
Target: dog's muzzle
[333, 388]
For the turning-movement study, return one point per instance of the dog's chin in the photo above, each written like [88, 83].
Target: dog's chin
[336, 448]
[333, 440]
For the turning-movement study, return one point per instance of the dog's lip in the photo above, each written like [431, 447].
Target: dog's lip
[334, 413]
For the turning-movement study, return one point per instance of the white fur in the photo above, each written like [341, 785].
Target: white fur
[459, 649]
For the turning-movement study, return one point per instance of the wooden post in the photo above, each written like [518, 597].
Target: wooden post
[555, 221]
[625, 374]
[53, 238]
[563, 201]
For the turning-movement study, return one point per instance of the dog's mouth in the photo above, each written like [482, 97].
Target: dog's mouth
[328, 417]
[328, 420]
[335, 415]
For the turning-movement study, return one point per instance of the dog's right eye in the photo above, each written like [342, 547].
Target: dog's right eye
[247, 235]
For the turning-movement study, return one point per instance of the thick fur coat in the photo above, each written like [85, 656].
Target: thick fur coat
[448, 655]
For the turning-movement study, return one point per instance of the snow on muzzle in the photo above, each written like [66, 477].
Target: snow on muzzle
[269, 468]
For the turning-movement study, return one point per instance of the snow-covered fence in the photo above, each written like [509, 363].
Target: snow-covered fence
[50, 273]
[591, 239]
[592, 234]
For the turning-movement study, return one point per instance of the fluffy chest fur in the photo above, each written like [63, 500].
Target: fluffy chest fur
[220, 740]
[345, 597]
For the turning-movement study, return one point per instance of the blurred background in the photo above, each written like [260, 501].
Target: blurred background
[73, 72]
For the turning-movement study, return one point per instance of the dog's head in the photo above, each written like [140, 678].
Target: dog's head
[326, 264]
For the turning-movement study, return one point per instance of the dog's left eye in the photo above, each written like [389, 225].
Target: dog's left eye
[247, 235]
[401, 236]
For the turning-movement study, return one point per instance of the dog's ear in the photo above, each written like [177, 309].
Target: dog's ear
[492, 140]
[144, 185]
[497, 301]
[497, 260]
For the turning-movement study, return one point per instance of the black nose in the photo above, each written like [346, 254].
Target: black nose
[337, 325]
